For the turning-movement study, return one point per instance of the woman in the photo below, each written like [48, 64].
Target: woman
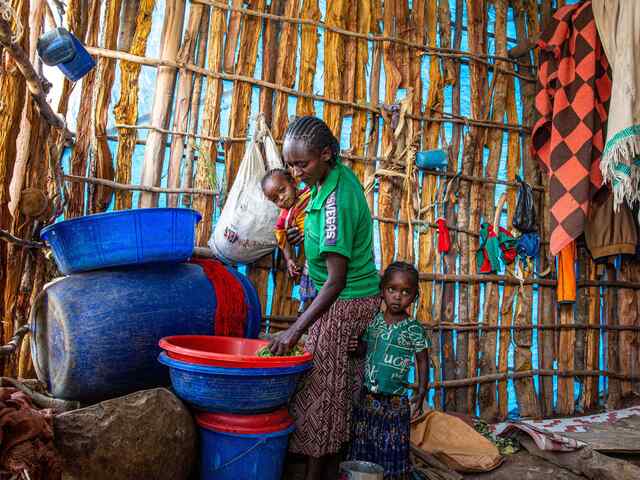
[338, 242]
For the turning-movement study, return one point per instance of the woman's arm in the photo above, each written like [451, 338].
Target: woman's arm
[336, 281]
[423, 379]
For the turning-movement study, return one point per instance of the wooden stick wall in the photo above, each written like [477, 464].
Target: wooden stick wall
[488, 332]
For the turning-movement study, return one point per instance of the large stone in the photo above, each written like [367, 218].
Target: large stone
[147, 435]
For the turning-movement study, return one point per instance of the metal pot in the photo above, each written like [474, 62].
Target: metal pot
[356, 470]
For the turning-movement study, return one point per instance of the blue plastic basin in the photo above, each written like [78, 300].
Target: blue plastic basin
[233, 390]
[126, 237]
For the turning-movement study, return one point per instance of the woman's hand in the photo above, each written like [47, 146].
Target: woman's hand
[294, 236]
[284, 343]
[417, 404]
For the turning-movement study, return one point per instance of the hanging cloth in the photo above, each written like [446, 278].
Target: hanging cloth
[571, 113]
[444, 238]
[230, 315]
[567, 274]
[618, 23]
[494, 248]
[607, 233]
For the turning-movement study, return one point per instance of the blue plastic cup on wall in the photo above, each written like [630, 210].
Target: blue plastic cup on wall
[80, 64]
[432, 160]
[56, 46]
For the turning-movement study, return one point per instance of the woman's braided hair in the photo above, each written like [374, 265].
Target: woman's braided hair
[315, 134]
[403, 267]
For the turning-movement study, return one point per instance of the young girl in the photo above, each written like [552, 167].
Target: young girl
[382, 417]
[279, 187]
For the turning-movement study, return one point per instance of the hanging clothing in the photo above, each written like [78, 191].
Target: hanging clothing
[444, 237]
[608, 233]
[618, 23]
[571, 107]
[567, 274]
[494, 247]
[230, 315]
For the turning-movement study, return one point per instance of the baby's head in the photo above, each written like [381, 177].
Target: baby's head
[279, 186]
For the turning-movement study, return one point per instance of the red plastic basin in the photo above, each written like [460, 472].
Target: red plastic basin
[225, 352]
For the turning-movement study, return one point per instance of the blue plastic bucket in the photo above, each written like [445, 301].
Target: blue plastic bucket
[125, 237]
[233, 390]
[243, 447]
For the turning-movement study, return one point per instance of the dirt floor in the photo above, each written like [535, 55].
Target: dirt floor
[520, 466]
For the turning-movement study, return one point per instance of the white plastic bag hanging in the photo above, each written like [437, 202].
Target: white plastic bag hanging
[244, 231]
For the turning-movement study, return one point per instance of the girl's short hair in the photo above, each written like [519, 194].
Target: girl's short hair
[315, 134]
[276, 171]
[400, 267]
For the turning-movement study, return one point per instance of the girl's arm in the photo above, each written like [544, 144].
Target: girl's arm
[336, 281]
[290, 261]
[422, 365]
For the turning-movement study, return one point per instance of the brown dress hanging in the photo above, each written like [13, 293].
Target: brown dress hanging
[607, 232]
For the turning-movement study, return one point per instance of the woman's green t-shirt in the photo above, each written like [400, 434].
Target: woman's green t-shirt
[338, 220]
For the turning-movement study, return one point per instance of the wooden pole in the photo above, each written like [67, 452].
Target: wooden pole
[334, 64]
[194, 112]
[592, 361]
[241, 98]
[286, 69]
[488, 340]
[359, 126]
[270, 60]
[308, 56]
[285, 75]
[126, 110]
[210, 126]
[154, 152]
[102, 163]
[509, 291]
[184, 91]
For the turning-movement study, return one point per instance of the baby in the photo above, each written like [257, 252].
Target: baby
[280, 187]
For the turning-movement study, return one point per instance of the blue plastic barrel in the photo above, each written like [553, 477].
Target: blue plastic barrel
[233, 390]
[95, 334]
[124, 237]
[254, 309]
[243, 447]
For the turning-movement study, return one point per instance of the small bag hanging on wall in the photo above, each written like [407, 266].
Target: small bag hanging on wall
[244, 231]
[525, 218]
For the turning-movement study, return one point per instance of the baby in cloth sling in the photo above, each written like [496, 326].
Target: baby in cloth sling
[280, 187]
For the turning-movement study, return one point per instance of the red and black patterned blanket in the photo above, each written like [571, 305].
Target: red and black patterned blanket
[574, 86]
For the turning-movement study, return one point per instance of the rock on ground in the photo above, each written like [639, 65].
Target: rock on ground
[147, 435]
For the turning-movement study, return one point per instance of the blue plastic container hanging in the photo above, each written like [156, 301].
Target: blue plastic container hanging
[61, 48]
[432, 160]
[56, 46]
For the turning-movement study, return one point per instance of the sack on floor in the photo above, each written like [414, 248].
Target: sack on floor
[454, 443]
[244, 231]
